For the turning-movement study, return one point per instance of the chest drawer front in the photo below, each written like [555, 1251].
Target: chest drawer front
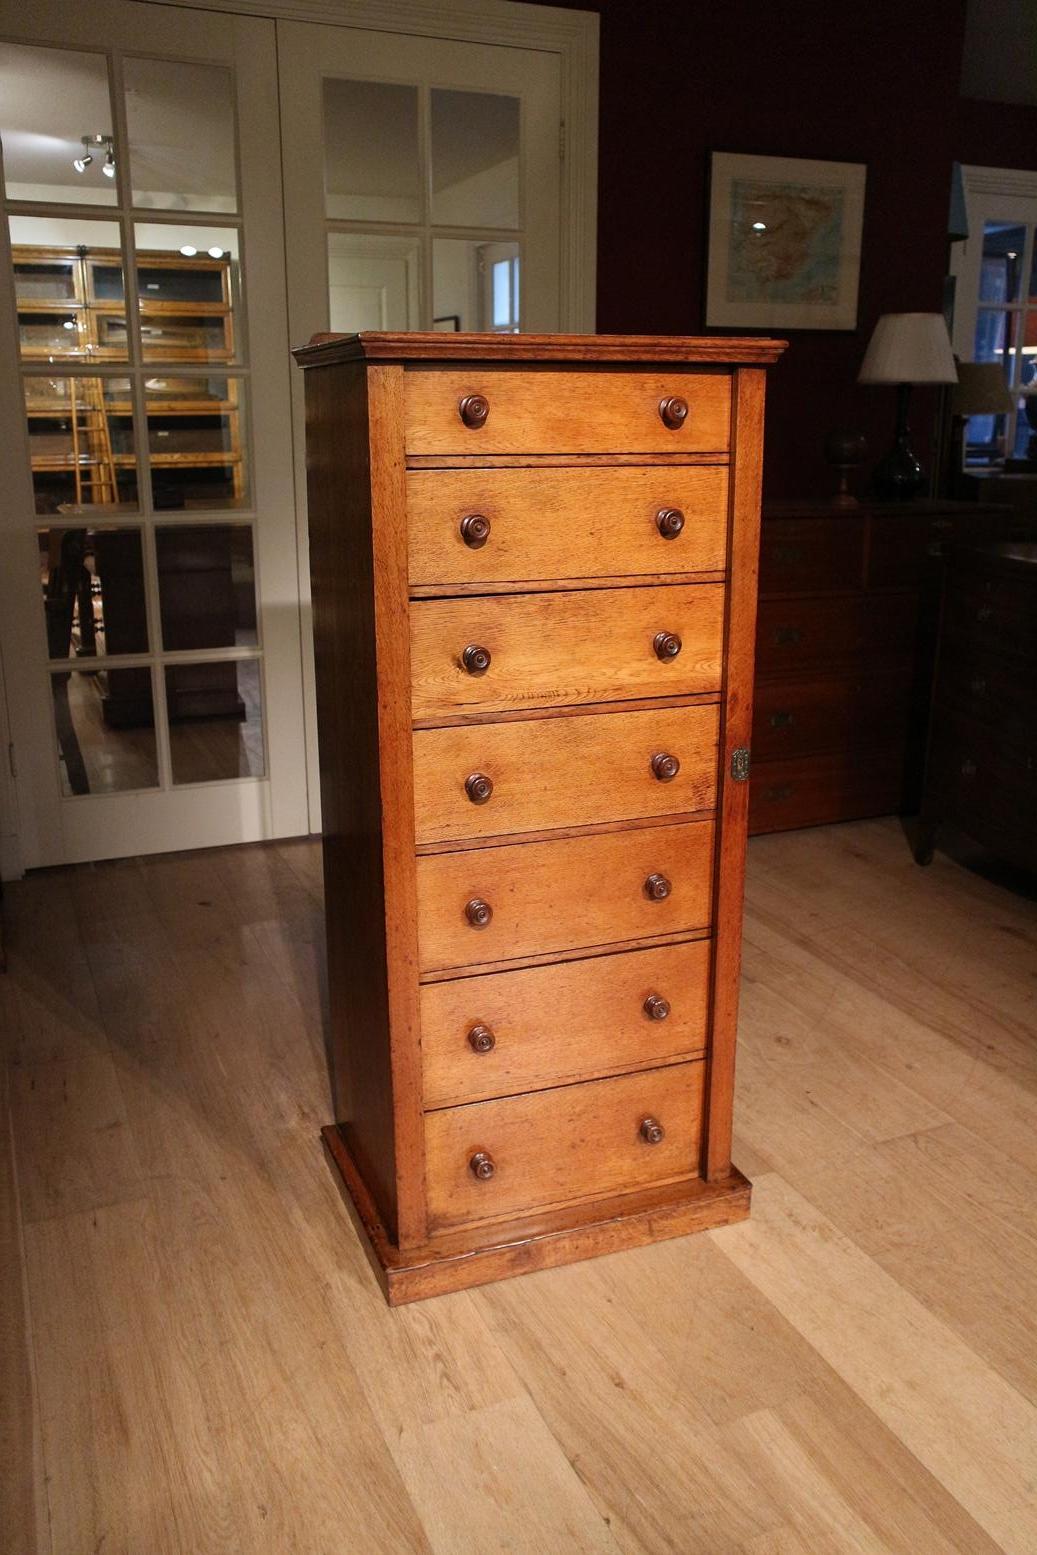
[819, 634]
[572, 771]
[565, 523]
[566, 412]
[832, 786]
[554, 1147]
[546, 897]
[807, 555]
[994, 614]
[816, 715]
[508, 1032]
[593, 645]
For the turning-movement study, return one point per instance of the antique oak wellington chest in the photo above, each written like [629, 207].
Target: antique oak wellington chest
[534, 564]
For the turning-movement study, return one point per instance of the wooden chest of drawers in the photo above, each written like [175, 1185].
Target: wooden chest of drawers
[534, 581]
[981, 772]
[846, 635]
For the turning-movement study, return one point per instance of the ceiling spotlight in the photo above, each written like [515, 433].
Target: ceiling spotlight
[215, 253]
[98, 143]
[759, 226]
[188, 250]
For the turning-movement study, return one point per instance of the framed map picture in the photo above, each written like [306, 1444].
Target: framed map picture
[784, 242]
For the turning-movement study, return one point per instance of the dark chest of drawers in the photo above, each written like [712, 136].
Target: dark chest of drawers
[846, 634]
[534, 581]
[981, 771]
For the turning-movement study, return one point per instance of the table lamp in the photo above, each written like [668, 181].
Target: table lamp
[905, 349]
[980, 391]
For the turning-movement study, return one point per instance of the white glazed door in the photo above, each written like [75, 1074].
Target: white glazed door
[149, 598]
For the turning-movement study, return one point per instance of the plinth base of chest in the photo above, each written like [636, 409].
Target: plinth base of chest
[462, 1259]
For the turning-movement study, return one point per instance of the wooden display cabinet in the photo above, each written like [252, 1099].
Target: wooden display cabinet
[71, 308]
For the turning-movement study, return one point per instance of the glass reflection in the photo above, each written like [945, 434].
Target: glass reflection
[188, 281]
[93, 592]
[475, 159]
[180, 119]
[49, 100]
[1001, 268]
[215, 721]
[81, 446]
[206, 586]
[57, 263]
[104, 723]
[372, 282]
[371, 158]
[476, 283]
[196, 440]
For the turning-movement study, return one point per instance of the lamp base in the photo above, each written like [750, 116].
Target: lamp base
[898, 476]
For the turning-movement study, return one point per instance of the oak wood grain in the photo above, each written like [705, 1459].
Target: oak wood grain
[564, 648]
[563, 1022]
[566, 412]
[549, 896]
[562, 772]
[417, 346]
[565, 523]
[558, 1146]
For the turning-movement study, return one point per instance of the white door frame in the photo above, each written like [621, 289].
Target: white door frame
[1005, 184]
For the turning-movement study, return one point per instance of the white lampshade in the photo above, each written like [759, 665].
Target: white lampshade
[909, 348]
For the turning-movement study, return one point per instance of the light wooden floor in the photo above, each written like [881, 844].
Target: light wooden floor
[196, 1359]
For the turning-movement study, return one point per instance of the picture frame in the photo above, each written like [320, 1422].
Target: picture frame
[784, 242]
[447, 324]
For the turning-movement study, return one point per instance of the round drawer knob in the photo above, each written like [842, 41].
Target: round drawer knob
[665, 767]
[478, 912]
[968, 768]
[669, 522]
[475, 530]
[674, 412]
[473, 410]
[657, 888]
[652, 1131]
[978, 686]
[475, 659]
[656, 1007]
[481, 1166]
[481, 1039]
[667, 645]
[478, 787]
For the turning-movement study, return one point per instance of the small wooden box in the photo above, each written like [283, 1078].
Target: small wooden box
[534, 583]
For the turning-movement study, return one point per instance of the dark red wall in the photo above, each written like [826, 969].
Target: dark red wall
[874, 83]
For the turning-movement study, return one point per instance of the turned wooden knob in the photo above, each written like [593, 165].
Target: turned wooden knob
[481, 1166]
[667, 645]
[479, 912]
[652, 1132]
[481, 1039]
[657, 888]
[475, 530]
[656, 1007]
[476, 660]
[473, 410]
[478, 787]
[669, 522]
[665, 767]
[674, 412]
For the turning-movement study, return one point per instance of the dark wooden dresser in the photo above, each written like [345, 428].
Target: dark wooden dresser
[846, 632]
[981, 772]
[534, 580]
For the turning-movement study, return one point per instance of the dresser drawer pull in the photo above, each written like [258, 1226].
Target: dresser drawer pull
[669, 522]
[476, 660]
[478, 912]
[984, 612]
[478, 787]
[778, 791]
[656, 1007]
[481, 1039]
[475, 530]
[473, 410]
[652, 1132]
[657, 888]
[481, 1166]
[978, 686]
[782, 720]
[968, 768]
[787, 634]
[667, 645]
[674, 412]
[665, 767]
